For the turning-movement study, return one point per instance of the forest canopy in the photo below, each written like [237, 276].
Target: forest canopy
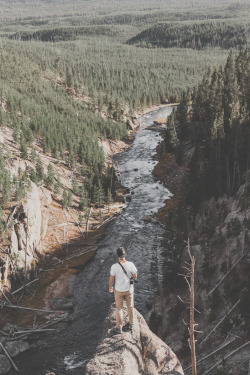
[218, 126]
[197, 35]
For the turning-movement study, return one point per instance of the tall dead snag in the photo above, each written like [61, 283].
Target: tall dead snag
[189, 277]
[192, 324]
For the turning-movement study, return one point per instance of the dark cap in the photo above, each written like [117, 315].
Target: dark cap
[121, 252]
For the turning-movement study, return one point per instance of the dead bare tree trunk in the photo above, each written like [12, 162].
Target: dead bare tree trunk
[191, 306]
[26, 247]
[87, 221]
[6, 273]
[189, 277]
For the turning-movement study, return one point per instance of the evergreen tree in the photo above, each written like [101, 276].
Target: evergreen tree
[20, 192]
[70, 198]
[83, 203]
[58, 186]
[98, 194]
[23, 147]
[50, 176]
[75, 185]
[33, 175]
[39, 170]
[64, 201]
[33, 154]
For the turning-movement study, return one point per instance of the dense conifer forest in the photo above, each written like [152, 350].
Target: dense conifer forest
[197, 35]
[76, 73]
[219, 127]
[69, 80]
[216, 128]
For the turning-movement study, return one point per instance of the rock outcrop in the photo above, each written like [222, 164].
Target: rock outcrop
[13, 348]
[139, 352]
[27, 228]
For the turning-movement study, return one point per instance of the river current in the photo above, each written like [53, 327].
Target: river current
[68, 351]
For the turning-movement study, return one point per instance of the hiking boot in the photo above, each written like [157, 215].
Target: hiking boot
[117, 331]
[130, 327]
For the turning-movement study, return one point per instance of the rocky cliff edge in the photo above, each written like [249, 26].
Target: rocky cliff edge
[139, 352]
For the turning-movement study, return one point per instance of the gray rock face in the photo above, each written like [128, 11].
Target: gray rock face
[16, 347]
[133, 123]
[13, 348]
[31, 210]
[140, 352]
[5, 365]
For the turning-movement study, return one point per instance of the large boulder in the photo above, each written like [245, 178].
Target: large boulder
[16, 347]
[139, 352]
[5, 365]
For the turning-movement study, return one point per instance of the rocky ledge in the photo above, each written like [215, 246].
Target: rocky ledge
[131, 353]
[9, 350]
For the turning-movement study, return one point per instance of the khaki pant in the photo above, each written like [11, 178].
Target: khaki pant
[119, 298]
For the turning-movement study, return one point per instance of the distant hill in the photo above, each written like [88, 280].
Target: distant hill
[197, 35]
[27, 9]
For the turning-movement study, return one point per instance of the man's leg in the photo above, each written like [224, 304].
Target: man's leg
[119, 296]
[130, 306]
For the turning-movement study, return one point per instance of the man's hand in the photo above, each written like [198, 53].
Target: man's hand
[111, 282]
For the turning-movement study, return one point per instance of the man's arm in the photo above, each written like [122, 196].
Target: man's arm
[111, 282]
[134, 275]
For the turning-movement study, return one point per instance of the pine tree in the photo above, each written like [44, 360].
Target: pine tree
[50, 176]
[23, 147]
[33, 154]
[33, 175]
[70, 198]
[58, 186]
[83, 203]
[98, 194]
[75, 185]
[39, 170]
[64, 200]
[20, 192]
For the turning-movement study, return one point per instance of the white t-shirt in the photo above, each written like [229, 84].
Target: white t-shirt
[122, 281]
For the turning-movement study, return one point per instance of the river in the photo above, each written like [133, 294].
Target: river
[68, 351]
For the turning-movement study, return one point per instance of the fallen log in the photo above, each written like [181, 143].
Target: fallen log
[223, 278]
[7, 299]
[26, 308]
[76, 222]
[227, 356]
[18, 290]
[212, 353]
[58, 261]
[217, 325]
[81, 253]
[48, 270]
[105, 222]
[28, 332]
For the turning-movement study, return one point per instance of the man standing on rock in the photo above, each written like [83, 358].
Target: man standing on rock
[124, 274]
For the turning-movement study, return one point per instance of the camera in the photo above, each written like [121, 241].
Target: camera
[132, 280]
